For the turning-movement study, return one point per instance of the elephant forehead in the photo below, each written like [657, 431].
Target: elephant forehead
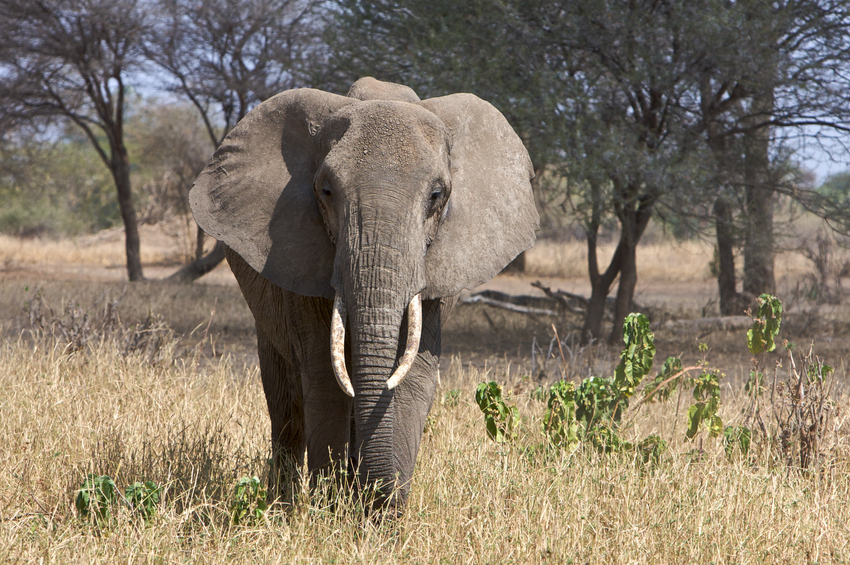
[391, 135]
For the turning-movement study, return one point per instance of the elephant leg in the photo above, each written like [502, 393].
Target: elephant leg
[415, 395]
[283, 396]
[327, 409]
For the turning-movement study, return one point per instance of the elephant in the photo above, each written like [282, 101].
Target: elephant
[351, 224]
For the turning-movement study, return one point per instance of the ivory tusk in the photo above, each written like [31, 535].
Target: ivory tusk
[414, 332]
[338, 347]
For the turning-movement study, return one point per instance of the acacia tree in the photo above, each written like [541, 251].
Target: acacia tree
[641, 106]
[779, 72]
[226, 56]
[583, 85]
[70, 60]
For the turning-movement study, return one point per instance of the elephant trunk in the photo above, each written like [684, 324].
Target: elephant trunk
[378, 282]
[414, 334]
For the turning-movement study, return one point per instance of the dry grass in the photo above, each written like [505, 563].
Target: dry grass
[103, 253]
[169, 242]
[686, 261]
[197, 426]
[196, 421]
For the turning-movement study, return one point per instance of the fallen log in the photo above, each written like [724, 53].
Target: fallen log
[479, 299]
[566, 299]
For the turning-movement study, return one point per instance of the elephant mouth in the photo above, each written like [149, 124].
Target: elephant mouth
[414, 332]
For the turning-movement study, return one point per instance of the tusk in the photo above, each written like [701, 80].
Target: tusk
[338, 347]
[414, 332]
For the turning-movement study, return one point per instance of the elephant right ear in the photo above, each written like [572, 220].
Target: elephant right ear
[256, 193]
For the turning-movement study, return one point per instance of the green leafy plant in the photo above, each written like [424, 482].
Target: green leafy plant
[559, 422]
[660, 389]
[143, 498]
[761, 338]
[703, 414]
[636, 359]
[249, 501]
[452, 398]
[596, 401]
[650, 450]
[502, 419]
[600, 402]
[754, 386]
[96, 497]
[606, 439]
[736, 437]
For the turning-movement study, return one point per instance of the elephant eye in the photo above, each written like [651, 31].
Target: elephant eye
[438, 189]
[326, 189]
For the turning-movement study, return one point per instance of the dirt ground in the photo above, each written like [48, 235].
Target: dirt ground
[90, 271]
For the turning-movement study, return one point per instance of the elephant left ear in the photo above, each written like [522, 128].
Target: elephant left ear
[491, 217]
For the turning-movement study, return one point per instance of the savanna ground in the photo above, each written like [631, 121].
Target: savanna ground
[152, 381]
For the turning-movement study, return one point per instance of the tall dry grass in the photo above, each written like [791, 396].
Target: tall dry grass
[197, 424]
[101, 253]
[662, 260]
[171, 241]
[659, 262]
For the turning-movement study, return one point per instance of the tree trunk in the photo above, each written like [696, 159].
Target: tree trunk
[200, 236]
[120, 168]
[200, 266]
[625, 290]
[600, 283]
[600, 286]
[726, 283]
[633, 222]
[758, 242]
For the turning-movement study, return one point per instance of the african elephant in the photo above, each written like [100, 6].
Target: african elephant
[351, 222]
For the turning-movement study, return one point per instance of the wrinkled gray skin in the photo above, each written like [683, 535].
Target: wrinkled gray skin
[375, 196]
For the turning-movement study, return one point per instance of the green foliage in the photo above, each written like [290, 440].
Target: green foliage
[605, 439]
[837, 187]
[703, 414]
[650, 450]
[754, 386]
[96, 497]
[817, 371]
[636, 358]
[591, 415]
[597, 406]
[736, 437]
[58, 187]
[502, 419]
[559, 421]
[662, 393]
[249, 502]
[596, 400]
[143, 498]
[452, 397]
[599, 399]
[761, 337]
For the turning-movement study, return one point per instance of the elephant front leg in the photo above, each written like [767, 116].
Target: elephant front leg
[327, 420]
[284, 399]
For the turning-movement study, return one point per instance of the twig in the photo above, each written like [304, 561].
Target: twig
[664, 382]
[563, 297]
[563, 359]
[209, 322]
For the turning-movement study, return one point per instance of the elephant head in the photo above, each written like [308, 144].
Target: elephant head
[375, 200]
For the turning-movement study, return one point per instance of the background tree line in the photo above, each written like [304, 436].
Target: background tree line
[691, 113]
